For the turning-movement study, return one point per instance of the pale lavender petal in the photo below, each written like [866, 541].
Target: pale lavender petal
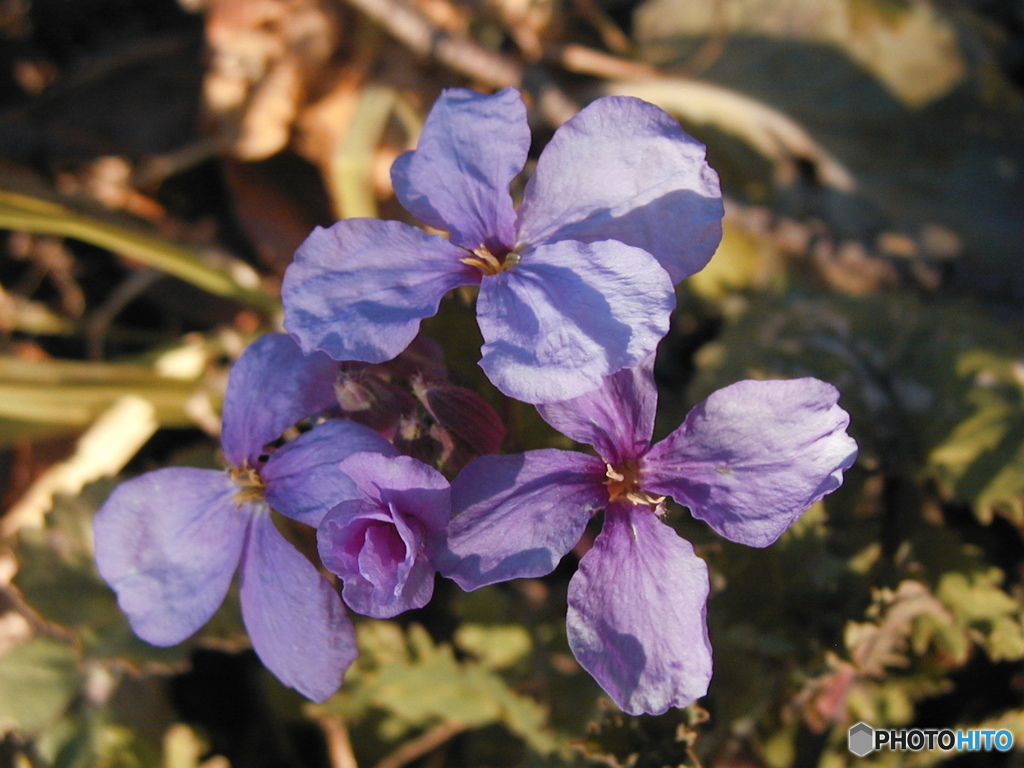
[624, 169]
[569, 314]
[754, 456]
[636, 618]
[414, 489]
[302, 478]
[380, 556]
[168, 542]
[272, 386]
[359, 289]
[617, 418]
[516, 516]
[295, 619]
[457, 179]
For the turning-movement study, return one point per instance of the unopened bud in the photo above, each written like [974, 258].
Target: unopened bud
[463, 413]
[365, 397]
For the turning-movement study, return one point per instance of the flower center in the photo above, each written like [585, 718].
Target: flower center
[623, 482]
[490, 264]
[249, 482]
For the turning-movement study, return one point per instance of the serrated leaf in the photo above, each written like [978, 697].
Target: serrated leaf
[980, 605]
[496, 647]
[662, 741]
[982, 459]
[418, 684]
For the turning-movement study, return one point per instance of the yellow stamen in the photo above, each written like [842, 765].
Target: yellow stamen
[488, 263]
[624, 483]
[249, 482]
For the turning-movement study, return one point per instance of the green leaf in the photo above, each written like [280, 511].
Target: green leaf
[983, 608]
[496, 647]
[415, 684]
[38, 679]
[981, 461]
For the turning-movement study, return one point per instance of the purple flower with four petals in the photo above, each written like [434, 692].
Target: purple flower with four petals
[574, 286]
[382, 544]
[170, 541]
[748, 460]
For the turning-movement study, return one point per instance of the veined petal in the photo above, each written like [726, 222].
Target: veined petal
[516, 516]
[636, 618]
[568, 314]
[754, 456]
[359, 289]
[412, 488]
[302, 479]
[168, 542]
[457, 179]
[272, 386]
[624, 169]
[295, 619]
[617, 418]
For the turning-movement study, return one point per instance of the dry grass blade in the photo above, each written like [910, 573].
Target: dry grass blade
[223, 276]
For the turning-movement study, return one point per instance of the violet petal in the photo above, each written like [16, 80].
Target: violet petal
[359, 289]
[636, 618]
[617, 418]
[516, 516]
[272, 386]
[302, 479]
[168, 542]
[296, 620]
[624, 169]
[457, 179]
[754, 456]
[568, 314]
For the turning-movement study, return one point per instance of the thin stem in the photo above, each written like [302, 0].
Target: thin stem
[421, 745]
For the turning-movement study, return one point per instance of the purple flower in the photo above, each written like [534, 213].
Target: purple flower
[748, 461]
[169, 541]
[575, 285]
[382, 544]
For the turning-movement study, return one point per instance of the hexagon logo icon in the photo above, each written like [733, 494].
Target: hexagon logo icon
[861, 739]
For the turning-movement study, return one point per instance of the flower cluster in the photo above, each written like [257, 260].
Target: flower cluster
[574, 293]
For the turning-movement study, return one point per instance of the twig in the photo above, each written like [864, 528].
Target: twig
[99, 320]
[598, 17]
[339, 745]
[713, 47]
[156, 168]
[427, 39]
[464, 56]
[422, 744]
[589, 61]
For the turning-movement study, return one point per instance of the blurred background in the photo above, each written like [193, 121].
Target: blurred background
[161, 160]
